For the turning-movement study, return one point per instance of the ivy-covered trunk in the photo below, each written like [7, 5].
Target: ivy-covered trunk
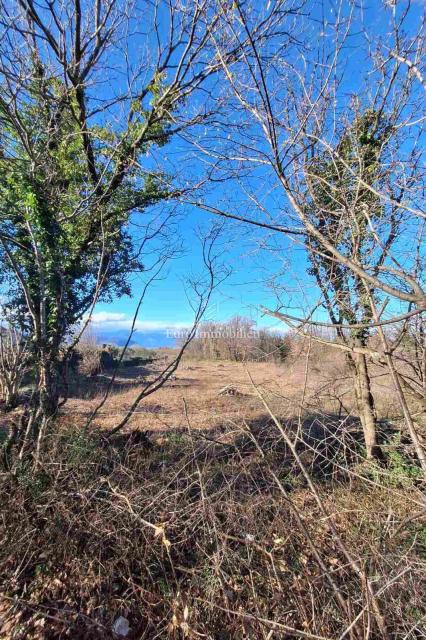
[48, 391]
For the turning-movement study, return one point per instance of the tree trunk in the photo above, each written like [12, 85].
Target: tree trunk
[365, 403]
[48, 386]
[44, 405]
[367, 408]
[11, 396]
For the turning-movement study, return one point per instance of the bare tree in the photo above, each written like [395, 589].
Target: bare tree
[14, 361]
[293, 107]
[239, 339]
[341, 209]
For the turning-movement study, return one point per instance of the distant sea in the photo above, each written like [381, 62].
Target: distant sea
[147, 339]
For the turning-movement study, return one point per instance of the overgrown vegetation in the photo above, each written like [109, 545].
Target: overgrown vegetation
[249, 483]
[217, 537]
[239, 340]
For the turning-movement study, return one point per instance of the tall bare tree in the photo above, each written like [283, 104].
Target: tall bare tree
[341, 208]
[289, 109]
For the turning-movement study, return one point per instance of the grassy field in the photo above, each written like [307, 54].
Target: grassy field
[308, 382]
[210, 524]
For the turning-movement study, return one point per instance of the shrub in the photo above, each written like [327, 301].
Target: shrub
[93, 358]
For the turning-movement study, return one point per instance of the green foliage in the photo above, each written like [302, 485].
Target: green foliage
[136, 356]
[421, 541]
[339, 198]
[67, 191]
[80, 449]
[35, 483]
[399, 471]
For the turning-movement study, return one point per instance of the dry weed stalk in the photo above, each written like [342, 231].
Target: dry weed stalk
[354, 563]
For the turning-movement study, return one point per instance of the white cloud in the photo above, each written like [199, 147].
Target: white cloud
[110, 320]
[107, 316]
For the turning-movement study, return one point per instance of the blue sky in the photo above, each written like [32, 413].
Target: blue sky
[167, 303]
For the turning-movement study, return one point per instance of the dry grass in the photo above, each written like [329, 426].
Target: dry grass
[78, 549]
[327, 389]
[213, 529]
